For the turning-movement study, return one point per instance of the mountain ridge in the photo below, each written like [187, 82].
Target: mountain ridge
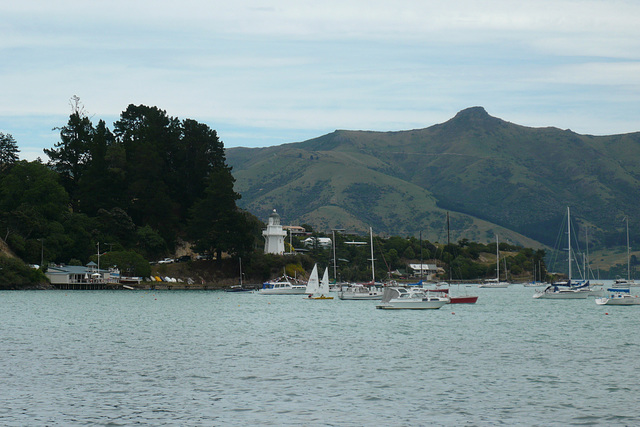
[490, 174]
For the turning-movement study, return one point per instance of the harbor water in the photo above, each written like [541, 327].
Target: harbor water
[205, 358]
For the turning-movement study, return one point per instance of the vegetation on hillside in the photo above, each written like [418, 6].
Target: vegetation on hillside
[132, 192]
[492, 175]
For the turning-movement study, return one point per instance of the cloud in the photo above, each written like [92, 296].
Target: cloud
[296, 67]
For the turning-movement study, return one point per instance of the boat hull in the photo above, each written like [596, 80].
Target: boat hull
[561, 295]
[411, 305]
[359, 297]
[464, 300]
[618, 301]
[282, 291]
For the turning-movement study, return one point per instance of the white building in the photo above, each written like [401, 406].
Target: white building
[323, 242]
[274, 235]
[428, 271]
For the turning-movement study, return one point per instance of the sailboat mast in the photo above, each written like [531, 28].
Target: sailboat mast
[448, 243]
[497, 259]
[421, 262]
[569, 238]
[373, 274]
[628, 256]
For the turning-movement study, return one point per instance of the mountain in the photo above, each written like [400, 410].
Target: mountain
[490, 174]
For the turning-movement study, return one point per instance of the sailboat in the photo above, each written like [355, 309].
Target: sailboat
[240, 287]
[495, 283]
[318, 289]
[628, 282]
[565, 289]
[364, 291]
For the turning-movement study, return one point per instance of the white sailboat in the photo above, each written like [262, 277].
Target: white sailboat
[628, 282]
[364, 291]
[495, 283]
[318, 289]
[568, 289]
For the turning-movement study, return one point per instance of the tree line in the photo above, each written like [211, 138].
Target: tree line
[136, 189]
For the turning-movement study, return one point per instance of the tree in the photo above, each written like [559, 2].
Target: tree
[99, 187]
[8, 151]
[71, 156]
[215, 218]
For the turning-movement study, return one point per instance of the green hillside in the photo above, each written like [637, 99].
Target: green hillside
[491, 175]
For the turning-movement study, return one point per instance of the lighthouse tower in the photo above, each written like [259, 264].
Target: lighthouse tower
[274, 235]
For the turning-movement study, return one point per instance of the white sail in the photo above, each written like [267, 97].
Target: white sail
[324, 284]
[313, 285]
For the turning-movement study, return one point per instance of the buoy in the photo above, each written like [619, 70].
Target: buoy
[453, 312]
[607, 314]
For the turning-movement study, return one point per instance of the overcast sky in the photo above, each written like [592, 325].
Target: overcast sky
[270, 72]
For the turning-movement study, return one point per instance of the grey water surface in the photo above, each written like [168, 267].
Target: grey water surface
[204, 358]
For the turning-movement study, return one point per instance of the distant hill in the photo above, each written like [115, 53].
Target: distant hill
[490, 174]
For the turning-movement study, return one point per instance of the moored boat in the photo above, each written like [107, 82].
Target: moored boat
[364, 291]
[409, 298]
[564, 290]
[618, 296]
[284, 285]
[495, 283]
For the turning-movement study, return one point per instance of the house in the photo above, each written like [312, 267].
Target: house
[80, 277]
[295, 230]
[322, 242]
[427, 271]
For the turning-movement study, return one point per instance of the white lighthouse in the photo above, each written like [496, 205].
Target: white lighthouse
[274, 235]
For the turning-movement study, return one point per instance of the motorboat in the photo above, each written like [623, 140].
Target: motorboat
[411, 298]
[284, 285]
[442, 288]
[361, 291]
[618, 296]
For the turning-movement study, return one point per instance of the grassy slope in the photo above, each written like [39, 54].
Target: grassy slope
[486, 171]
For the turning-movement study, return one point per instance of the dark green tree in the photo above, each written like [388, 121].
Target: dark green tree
[8, 151]
[71, 156]
[215, 219]
[99, 187]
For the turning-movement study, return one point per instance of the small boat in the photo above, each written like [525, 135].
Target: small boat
[443, 289]
[318, 289]
[535, 284]
[284, 285]
[565, 290]
[628, 282]
[495, 283]
[411, 298]
[364, 291]
[618, 296]
[361, 291]
[240, 287]
[237, 288]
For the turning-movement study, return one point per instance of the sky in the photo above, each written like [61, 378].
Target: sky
[265, 73]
